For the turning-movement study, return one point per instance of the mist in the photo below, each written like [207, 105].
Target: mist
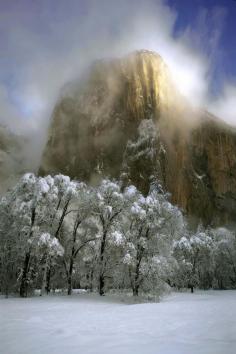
[47, 48]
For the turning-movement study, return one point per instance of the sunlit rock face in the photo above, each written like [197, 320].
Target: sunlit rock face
[126, 119]
[12, 162]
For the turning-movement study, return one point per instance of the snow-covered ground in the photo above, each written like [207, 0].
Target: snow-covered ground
[204, 322]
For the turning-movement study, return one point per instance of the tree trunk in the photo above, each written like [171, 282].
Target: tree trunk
[6, 291]
[48, 280]
[135, 290]
[136, 284]
[44, 281]
[74, 253]
[62, 218]
[91, 280]
[69, 291]
[101, 284]
[24, 279]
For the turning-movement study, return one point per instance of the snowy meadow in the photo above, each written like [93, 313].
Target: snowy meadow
[183, 323]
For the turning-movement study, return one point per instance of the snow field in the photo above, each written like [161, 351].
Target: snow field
[183, 323]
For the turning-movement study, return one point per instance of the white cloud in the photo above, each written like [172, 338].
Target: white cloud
[44, 59]
[225, 106]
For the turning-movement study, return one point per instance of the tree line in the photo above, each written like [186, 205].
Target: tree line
[59, 233]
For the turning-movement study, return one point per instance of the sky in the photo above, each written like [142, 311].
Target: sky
[224, 22]
[45, 44]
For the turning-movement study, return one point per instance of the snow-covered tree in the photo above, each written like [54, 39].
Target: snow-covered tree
[81, 230]
[50, 248]
[33, 207]
[224, 257]
[148, 236]
[194, 256]
[11, 248]
[108, 205]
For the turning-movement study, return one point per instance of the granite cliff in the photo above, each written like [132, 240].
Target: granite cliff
[126, 119]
